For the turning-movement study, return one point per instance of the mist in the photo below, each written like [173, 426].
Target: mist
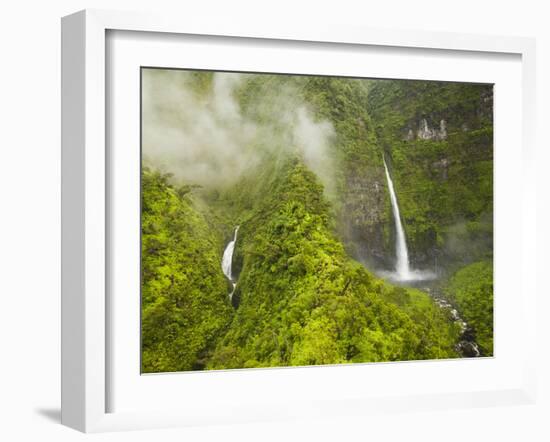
[200, 134]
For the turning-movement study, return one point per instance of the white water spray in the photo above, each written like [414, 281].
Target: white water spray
[227, 260]
[402, 269]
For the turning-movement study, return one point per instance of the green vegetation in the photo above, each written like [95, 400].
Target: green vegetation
[184, 294]
[311, 237]
[302, 301]
[472, 290]
[444, 183]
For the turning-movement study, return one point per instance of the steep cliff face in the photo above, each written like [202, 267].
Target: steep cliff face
[439, 141]
[361, 201]
[364, 219]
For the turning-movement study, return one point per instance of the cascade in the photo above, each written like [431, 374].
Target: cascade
[227, 260]
[402, 269]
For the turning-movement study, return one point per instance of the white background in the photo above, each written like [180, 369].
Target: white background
[30, 218]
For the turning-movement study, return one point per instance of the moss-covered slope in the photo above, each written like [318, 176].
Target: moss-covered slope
[302, 300]
[184, 293]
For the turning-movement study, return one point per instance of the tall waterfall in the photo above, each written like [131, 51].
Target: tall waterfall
[402, 269]
[227, 260]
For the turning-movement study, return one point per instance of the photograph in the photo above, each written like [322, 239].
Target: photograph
[295, 220]
[242, 222]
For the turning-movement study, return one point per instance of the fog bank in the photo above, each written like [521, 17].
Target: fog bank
[194, 128]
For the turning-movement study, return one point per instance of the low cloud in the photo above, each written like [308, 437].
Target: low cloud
[202, 136]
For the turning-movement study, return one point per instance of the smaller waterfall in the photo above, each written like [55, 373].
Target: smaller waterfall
[402, 269]
[227, 260]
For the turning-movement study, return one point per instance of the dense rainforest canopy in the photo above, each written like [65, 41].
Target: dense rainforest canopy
[297, 163]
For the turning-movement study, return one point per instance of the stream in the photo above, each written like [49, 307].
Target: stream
[466, 346]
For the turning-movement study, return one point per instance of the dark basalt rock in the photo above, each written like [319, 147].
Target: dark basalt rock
[364, 218]
[468, 349]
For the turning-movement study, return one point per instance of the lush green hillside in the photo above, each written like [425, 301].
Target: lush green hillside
[184, 294]
[302, 300]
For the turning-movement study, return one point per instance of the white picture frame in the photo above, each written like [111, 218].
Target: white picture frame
[86, 356]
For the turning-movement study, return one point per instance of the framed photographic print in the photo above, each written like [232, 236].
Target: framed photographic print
[264, 224]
